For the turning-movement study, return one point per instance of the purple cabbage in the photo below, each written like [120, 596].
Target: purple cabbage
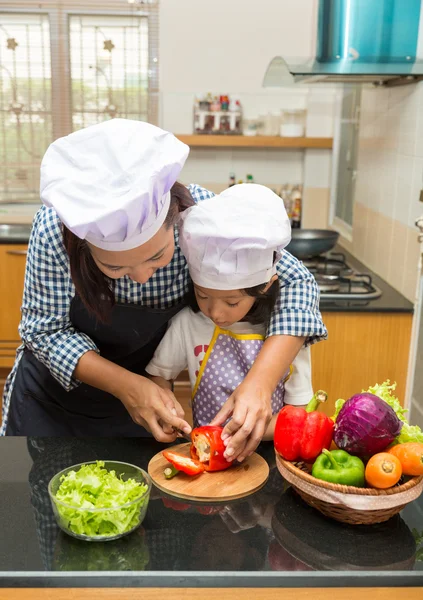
[366, 425]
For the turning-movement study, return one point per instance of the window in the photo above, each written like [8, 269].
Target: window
[25, 103]
[109, 68]
[345, 160]
[67, 65]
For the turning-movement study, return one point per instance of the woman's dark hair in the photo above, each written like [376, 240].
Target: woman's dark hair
[262, 308]
[95, 289]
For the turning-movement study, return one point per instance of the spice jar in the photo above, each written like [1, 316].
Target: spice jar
[293, 124]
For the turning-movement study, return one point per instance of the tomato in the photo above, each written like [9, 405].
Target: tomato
[383, 471]
[410, 456]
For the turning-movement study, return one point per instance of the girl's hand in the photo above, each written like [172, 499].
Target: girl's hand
[154, 408]
[250, 409]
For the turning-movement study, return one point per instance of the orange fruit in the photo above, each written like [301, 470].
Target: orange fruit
[383, 471]
[410, 456]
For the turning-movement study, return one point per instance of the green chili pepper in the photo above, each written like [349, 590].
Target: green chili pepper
[338, 466]
[170, 472]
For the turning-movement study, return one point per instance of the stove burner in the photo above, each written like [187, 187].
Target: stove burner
[327, 283]
[337, 280]
[328, 266]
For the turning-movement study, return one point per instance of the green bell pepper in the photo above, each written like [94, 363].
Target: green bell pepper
[338, 466]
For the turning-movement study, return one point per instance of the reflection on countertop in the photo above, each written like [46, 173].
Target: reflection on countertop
[267, 537]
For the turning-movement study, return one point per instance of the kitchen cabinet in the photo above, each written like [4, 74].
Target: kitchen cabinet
[12, 269]
[187, 593]
[362, 349]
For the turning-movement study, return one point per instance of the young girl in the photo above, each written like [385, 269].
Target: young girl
[232, 244]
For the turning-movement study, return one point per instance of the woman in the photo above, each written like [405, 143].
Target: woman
[104, 276]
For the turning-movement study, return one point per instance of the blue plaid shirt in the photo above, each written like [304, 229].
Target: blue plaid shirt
[46, 328]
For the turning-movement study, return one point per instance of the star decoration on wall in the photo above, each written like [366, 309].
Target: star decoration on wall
[11, 44]
[108, 45]
[17, 108]
[112, 110]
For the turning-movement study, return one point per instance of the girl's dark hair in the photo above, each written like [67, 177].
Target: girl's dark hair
[95, 289]
[262, 308]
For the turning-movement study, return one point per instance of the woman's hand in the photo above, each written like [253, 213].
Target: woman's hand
[249, 408]
[149, 405]
[154, 408]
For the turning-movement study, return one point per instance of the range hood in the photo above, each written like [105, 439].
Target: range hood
[358, 41]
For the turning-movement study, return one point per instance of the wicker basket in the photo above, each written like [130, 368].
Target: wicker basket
[348, 504]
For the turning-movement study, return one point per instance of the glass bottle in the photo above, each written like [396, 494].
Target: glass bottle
[296, 211]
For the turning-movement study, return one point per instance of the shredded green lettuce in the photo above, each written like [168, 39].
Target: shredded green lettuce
[409, 433]
[338, 405]
[93, 487]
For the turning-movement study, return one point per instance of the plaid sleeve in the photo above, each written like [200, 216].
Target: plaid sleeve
[199, 193]
[45, 326]
[297, 310]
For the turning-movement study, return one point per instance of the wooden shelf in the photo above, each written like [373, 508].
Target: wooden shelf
[259, 141]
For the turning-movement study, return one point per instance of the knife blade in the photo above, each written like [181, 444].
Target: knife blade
[181, 433]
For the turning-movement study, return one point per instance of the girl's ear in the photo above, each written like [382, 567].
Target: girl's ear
[271, 282]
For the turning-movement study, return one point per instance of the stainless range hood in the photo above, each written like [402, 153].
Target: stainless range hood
[358, 41]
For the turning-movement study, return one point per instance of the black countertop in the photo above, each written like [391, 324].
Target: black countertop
[390, 301]
[268, 539]
[14, 233]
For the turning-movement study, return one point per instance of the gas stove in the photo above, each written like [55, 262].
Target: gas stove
[337, 280]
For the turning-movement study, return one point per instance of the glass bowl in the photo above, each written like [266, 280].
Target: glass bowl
[134, 511]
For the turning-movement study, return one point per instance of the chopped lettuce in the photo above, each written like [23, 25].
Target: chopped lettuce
[129, 553]
[409, 433]
[94, 487]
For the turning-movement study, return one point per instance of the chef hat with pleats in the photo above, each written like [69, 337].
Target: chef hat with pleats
[110, 183]
[230, 241]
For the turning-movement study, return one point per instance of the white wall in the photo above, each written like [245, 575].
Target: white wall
[225, 46]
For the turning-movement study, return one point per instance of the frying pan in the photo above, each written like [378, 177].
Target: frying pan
[306, 243]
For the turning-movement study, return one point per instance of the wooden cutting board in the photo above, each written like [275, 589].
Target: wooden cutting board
[220, 486]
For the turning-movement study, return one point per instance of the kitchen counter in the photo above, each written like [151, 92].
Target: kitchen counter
[19, 213]
[270, 539]
[390, 301]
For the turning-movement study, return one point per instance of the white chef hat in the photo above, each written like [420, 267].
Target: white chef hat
[109, 183]
[230, 240]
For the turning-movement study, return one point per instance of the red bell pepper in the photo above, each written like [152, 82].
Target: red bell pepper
[183, 463]
[301, 434]
[175, 505]
[208, 447]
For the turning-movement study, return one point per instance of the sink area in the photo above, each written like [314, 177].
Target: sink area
[14, 233]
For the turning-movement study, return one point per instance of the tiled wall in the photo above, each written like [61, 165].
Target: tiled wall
[390, 177]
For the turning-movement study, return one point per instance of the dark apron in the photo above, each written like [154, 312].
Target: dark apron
[40, 406]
